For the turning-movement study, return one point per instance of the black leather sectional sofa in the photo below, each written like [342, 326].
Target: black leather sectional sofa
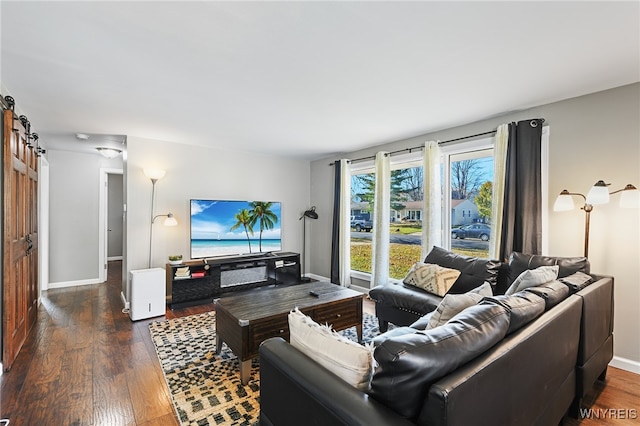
[534, 375]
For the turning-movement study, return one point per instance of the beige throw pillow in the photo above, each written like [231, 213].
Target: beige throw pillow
[432, 278]
[451, 305]
[345, 358]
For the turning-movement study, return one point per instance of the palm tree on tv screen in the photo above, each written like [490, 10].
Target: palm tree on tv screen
[261, 211]
[244, 219]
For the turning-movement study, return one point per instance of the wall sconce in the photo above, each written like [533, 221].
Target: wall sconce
[598, 194]
[169, 221]
[155, 175]
[109, 152]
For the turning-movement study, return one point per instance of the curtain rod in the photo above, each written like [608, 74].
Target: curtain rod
[373, 157]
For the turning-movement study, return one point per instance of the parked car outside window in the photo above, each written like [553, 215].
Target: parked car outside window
[476, 230]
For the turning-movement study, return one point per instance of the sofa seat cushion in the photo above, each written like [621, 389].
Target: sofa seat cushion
[473, 270]
[532, 278]
[552, 293]
[520, 262]
[343, 357]
[408, 298]
[430, 277]
[408, 364]
[523, 307]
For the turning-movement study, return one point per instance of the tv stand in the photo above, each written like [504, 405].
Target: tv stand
[213, 277]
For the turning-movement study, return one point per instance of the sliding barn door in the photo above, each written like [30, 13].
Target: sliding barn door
[20, 232]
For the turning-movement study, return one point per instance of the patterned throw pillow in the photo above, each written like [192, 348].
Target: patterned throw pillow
[432, 278]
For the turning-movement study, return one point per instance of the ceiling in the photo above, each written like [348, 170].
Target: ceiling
[302, 79]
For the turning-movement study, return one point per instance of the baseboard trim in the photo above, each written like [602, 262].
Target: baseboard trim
[64, 284]
[124, 301]
[317, 277]
[625, 364]
[353, 287]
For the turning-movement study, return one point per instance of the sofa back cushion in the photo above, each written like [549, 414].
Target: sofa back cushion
[552, 293]
[520, 262]
[474, 271]
[524, 307]
[408, 364]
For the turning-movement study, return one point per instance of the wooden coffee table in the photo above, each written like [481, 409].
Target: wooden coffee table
[245, 320]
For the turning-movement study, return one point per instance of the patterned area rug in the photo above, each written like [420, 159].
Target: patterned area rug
[205, 387]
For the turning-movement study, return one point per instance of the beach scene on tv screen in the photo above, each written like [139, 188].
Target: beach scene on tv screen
[220, 227]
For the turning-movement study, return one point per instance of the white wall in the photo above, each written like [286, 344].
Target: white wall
[74, 180]
[197, 172]
[592, 137]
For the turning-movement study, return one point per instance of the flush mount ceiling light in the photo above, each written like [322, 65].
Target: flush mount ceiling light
[82, 136]
[109, 152]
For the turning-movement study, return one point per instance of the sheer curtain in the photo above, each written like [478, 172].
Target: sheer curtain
[501, 143]
[341, 237]
[381, 218]
[522, 212]
[432, 220]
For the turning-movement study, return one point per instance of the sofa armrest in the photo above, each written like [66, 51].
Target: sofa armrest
[597, 316]
[295, 389]
[596, 333]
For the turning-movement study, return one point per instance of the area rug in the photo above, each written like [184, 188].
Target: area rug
[205, 387]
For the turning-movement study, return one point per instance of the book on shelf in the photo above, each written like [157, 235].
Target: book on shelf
[184, 272]
[197, 274]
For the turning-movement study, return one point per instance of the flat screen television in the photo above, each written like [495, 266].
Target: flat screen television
[226, 227]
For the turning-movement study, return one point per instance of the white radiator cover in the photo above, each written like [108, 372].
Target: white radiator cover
[148, 290]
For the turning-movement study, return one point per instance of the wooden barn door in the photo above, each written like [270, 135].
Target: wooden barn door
[20, 232]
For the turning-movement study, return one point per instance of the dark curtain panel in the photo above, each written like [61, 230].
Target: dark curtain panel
[335, 237]
[522, 214]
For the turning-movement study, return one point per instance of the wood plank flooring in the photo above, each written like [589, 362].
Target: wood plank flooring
[86, 363]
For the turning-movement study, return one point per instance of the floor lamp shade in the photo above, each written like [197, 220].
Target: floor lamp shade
[598, 194]
[309, 214]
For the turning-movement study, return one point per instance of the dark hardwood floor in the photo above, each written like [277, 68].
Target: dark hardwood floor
[86, 363]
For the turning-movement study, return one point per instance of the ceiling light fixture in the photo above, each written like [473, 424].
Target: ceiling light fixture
[82, 136]
[109, 152]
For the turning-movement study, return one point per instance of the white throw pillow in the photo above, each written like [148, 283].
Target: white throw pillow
[533, 277]
[483, 290]
[450, 306]
[345, 358]
[433, 278]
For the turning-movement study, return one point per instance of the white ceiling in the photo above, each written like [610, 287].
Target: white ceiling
[303, 79]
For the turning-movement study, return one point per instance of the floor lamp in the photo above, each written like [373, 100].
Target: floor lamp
[598, 194]
[311, 214]
[155, 175]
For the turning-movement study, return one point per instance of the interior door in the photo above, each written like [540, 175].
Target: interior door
[20, 249]
[114, 216]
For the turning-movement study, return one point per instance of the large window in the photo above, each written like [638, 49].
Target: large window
[467, 178]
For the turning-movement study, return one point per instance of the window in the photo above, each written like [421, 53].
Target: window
[362, 192]
[467, 174]
[405, 227]
[467, 189]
